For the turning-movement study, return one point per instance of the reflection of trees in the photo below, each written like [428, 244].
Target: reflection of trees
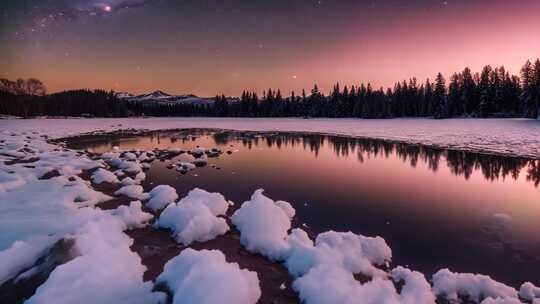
[533, 172]
[460, 163]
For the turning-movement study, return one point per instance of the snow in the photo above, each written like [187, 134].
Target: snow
[325, 285]
[264, 225]
[357, 253]
[35, 213]
[519, 137]
[132, 191]
[43, 207]
[132, 216]
[195, 217]
[127, 181]
[106, 271]
[415, 289]
[22, 255]
[161, 196]
[529, 292]
[104, 176]
[501, 301]
[475, 286]
[205, 277]
[354, 253]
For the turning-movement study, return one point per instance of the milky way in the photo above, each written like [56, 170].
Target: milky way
[45, 18]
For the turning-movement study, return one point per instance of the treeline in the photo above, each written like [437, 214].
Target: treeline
[493, 92]
[97, 103]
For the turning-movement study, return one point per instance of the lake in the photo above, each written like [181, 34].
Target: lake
[435, 208]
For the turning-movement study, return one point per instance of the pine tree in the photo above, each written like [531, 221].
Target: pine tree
[530, 108]
[439, 97]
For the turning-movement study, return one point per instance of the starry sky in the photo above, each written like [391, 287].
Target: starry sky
[207, 47]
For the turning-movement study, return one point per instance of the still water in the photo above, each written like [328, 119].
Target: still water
[435, 208]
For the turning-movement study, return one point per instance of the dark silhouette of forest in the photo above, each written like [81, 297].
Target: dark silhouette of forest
[492, 92]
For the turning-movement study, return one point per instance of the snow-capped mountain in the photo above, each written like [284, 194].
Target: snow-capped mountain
[162, 97]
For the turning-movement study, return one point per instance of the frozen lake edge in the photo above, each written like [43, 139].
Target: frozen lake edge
[508, 137]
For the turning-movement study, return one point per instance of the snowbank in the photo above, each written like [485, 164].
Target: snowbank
[195, 217]
[106, 271]
[22, 255]
[205, 277]
[161, 196]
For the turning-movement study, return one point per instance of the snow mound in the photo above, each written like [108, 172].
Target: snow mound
[132, 191]
[127, 181]
[216, 202]
[104, 176]
[264, 225]
[474, 286]
[415, 289]
[359, 253]
[205, 277]
[132, 216]
[161, 196]
[195, 217]
[325, 285]
[529, 292]
[354, 253]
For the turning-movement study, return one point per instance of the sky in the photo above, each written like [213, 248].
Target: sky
[209, 47]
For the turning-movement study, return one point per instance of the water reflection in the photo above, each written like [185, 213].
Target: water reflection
[436, 208]
[460, 163]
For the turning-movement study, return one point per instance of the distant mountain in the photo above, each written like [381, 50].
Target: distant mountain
[123, 95]
[161, 97]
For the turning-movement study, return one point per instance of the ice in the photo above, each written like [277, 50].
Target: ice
[205, 277]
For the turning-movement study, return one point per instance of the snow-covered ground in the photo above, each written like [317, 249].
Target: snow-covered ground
[518, 137]
[44, 199]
